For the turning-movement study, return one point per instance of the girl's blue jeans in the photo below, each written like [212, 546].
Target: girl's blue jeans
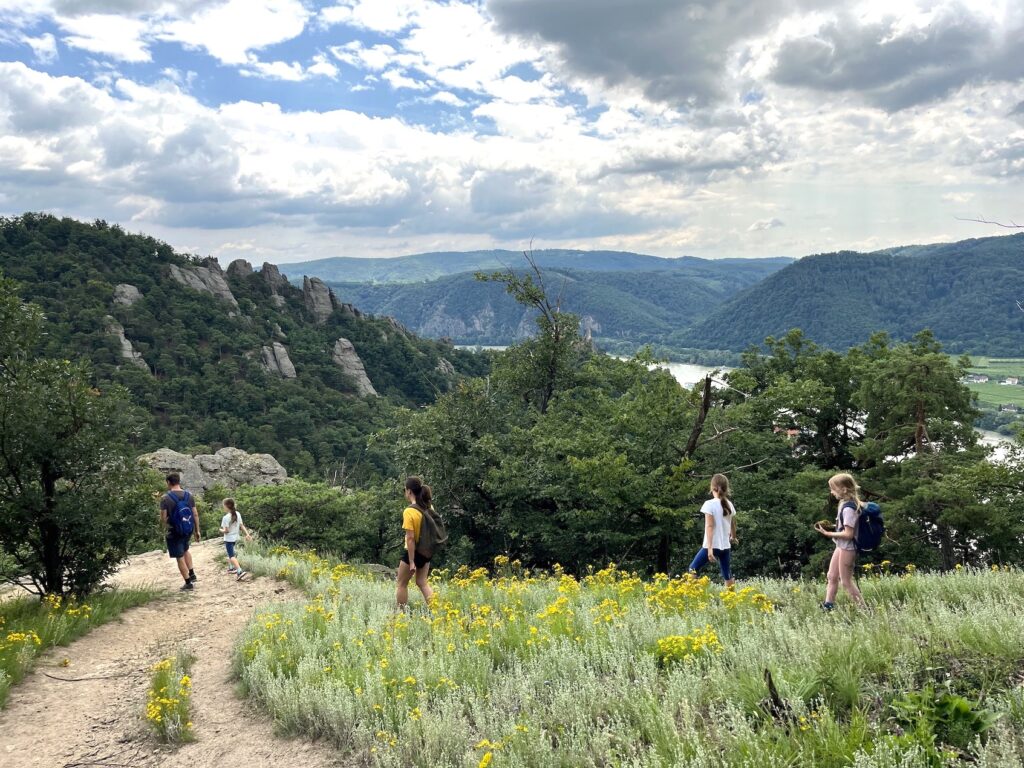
[722, 555]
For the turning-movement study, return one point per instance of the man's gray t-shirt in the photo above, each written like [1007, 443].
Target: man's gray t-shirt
[170, 502]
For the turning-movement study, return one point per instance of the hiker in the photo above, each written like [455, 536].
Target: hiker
[180, 518]
[421, 528]
[719, 530]
[229, 526]
[840, 569]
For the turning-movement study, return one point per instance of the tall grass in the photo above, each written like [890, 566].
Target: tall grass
[28, 626]
[169, 699]
[516, 669]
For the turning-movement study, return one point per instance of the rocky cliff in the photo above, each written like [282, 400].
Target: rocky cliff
[228, 467]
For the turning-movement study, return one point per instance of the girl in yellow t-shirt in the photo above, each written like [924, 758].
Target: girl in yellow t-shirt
[412, 563]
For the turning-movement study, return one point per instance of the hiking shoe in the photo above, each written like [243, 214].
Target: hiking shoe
[232, 570]
[241, 575]
[192, 578]
[187, 587]
[826, 607]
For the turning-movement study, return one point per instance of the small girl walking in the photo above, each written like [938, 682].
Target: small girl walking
[229, 526]
[719, 530]
[844, 558]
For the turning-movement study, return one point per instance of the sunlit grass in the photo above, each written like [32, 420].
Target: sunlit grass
[611, 669]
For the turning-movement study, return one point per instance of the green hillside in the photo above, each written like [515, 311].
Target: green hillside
[636, 307]
[430, 266]
[199, 370]
[965, 292]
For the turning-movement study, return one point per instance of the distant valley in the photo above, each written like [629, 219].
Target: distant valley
[966, 292]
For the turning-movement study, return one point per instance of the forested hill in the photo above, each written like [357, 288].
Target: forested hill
[430, 266]
[637, 307]
[241, 358]
[965, 292]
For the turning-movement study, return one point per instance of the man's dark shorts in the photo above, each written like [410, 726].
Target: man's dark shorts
[177, 545]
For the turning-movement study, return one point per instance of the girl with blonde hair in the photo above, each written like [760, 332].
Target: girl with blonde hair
[844, 558]
[719, 530]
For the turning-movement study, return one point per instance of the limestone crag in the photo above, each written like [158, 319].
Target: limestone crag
[128, 352]
[274, 359]
[239, 268]
[206, 279]
[228, 467]
[318, 299]
[345, 357]
[125, 295]
[273, 277]
[445, 367]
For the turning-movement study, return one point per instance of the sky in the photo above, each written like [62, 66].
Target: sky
[288, 130]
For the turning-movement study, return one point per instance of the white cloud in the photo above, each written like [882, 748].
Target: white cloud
[445, 97]
[397, 80]
[44, 47]
[229, 31]
[762, 225]
[115, 36]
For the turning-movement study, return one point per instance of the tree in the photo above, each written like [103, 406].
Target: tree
[72, 500]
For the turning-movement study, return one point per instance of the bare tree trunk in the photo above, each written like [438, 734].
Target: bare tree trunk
[53, 566]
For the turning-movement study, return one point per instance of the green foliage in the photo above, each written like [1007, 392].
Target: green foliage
[941, 718]
[69, 510]
[965, 292]
[29, 627]
[206, 387]
[362, 525]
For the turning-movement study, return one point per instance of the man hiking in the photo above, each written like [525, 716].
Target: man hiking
[180, 519]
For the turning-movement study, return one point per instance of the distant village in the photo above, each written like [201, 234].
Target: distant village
[1009, 381]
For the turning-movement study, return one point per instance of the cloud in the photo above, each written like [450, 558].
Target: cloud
[44, 47]
[763, 225]
[670, 51]
[895, 65]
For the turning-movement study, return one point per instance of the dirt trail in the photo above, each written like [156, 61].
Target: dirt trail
[56, 724]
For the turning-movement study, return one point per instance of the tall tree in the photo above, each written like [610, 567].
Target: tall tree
[72, 501]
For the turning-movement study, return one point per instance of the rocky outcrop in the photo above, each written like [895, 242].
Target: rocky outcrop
[125, 295]
[128, 352]
[228, 467]
[345, 357]
[206, 279]
[318, 298]
[274, 359]
[272, 276]
[445, 367]
[239, 268]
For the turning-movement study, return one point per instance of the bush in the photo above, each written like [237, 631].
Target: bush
[357, 525]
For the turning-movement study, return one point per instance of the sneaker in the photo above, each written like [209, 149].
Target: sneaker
[241, 575]
[232, 569]
[192, 577]
[826, 607]
[187, 587]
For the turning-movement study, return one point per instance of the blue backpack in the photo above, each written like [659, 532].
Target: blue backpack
[182, 520]
[870, 527]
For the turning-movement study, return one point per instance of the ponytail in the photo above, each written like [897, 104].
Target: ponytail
[720, 483]
[421, 492]
[230, 504]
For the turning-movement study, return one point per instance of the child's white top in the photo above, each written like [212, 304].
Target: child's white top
[232, 534]
[723, 524]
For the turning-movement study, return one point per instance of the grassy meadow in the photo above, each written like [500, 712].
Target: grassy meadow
[512, 668]
[994, 394]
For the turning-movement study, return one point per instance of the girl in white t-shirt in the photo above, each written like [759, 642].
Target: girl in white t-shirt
[840, 568]
[719, 530]
[230, 525]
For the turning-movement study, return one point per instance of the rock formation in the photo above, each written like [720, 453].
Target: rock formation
[207, 279]
[318, 299]
[128, 352]
[345, 357]
[445, 367]
[126, 295]
[239, 268]
[229, 467]
[275, 360]
[273, 277]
